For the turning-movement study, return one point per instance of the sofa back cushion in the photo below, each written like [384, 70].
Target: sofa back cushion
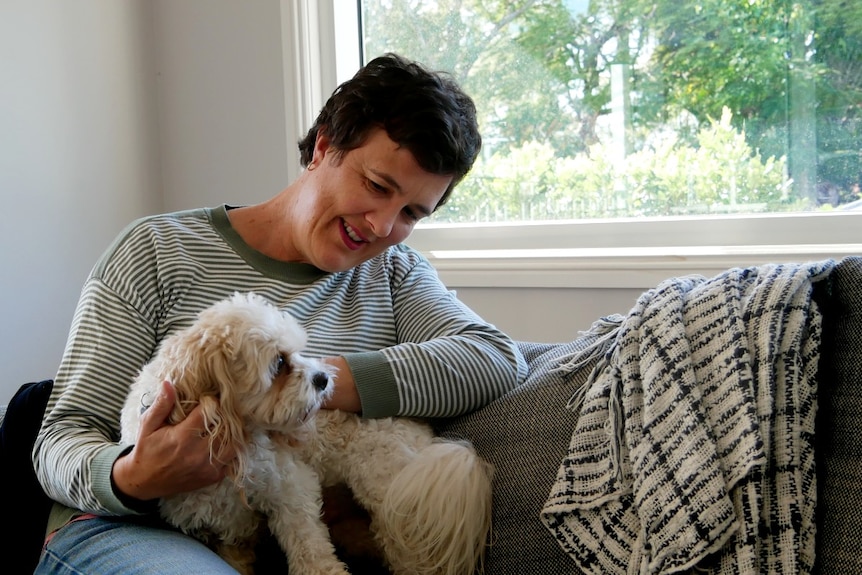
[839, 422]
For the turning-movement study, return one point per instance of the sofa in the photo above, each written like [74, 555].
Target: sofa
[527, 434]
[799, 500]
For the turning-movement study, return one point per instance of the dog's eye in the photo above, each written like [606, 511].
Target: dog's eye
[282, 365]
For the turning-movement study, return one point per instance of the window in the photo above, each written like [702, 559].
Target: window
[624, 132]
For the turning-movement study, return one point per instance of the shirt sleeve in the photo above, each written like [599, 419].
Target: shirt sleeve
[448, 360]
[79, 440]
[109, 340]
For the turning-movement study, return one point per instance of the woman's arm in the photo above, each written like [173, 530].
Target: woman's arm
[447, 360]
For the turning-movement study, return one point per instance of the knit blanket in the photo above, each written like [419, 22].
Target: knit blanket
[694, 441]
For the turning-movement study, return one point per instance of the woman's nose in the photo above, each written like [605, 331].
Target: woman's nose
[382, 221]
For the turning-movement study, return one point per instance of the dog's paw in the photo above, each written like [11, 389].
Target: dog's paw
[314, 563]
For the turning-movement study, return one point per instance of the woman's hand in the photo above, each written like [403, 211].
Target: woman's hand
[344, 397]
[169, 459]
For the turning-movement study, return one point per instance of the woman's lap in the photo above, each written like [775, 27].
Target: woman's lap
[127, 546]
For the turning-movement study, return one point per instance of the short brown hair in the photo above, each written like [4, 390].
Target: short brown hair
[425, 112]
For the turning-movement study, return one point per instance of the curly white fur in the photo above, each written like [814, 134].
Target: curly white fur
[429, 499]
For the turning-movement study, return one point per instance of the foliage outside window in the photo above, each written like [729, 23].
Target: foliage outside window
[626, 108]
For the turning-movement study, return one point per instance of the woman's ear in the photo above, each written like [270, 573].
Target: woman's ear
[321, 147]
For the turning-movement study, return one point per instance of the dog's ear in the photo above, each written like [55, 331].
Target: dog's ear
[200, 360]
[191, 356]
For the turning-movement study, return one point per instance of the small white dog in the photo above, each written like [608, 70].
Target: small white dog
[429, 499]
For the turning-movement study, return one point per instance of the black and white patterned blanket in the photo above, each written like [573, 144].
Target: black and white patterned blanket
[693, 445]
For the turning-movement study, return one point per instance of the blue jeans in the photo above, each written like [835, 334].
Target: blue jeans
[127, 545]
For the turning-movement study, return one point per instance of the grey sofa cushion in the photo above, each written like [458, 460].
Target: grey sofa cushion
[839, 424]
[525, 435]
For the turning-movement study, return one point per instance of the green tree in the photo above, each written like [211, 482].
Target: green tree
[839, 94]
[784, 76]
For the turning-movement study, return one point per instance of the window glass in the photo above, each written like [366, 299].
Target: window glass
[630, 108]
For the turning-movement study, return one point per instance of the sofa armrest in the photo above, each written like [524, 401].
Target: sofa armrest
[525, 435]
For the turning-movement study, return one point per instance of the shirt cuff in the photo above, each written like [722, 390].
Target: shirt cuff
[375, 383]
[103, 485]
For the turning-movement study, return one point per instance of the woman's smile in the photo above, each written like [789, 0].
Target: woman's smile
[351, 237]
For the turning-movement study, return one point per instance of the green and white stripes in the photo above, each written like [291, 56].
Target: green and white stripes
[413, 348]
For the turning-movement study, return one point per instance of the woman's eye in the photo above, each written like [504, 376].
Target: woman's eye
[376, 187]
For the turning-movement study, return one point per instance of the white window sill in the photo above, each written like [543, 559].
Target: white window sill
[613, 267]
[631, 254]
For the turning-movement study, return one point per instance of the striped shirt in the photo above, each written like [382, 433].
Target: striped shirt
[414, 349]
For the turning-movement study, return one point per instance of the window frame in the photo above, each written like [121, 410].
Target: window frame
[621, 253]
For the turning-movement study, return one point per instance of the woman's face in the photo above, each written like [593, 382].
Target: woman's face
[352, 207]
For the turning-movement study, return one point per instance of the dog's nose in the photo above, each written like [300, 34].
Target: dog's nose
[320, 380]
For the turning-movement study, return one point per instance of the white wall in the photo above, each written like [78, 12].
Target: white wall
[78, 159]
[110, 110]
[546, 314]
[221, 101]
[113, 109]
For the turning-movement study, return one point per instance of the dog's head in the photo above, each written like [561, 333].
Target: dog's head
[241, 361]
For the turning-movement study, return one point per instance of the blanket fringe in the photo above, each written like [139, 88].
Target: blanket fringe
[604, 332]
[614, 427]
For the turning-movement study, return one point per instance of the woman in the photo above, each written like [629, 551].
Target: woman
[386, 150]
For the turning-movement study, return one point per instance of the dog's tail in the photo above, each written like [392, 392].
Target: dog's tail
[438, 511]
